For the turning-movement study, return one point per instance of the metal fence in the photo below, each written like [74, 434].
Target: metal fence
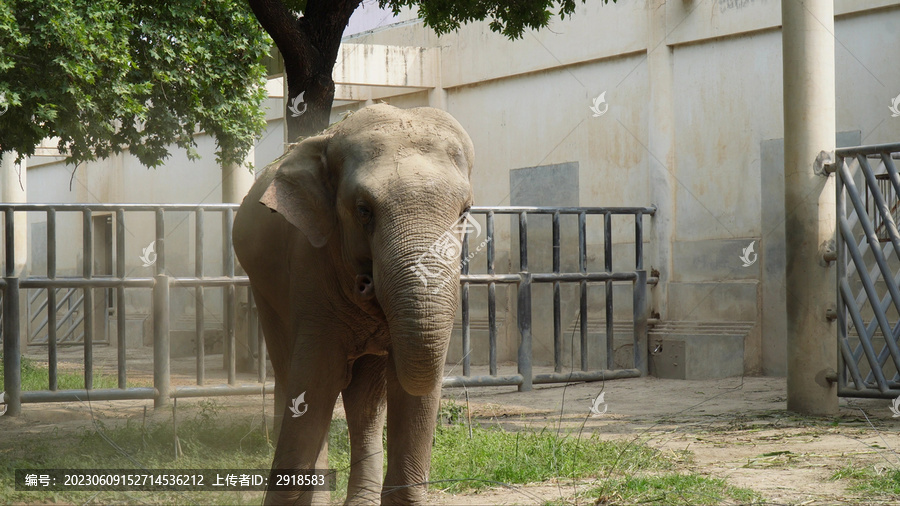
[524, 281]
[868, 271]
[81, 290]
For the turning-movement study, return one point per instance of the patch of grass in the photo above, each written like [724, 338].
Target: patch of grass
[871, 481]
[37, 377]
[672, 489]
[494, 455]
[206, 442]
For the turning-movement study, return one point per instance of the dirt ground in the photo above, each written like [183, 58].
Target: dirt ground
[737, 429]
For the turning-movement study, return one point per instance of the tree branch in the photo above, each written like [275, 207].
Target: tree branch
[284, 29]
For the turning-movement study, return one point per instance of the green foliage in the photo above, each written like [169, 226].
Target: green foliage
[508, 18]
[872, 481]
[106, 75]
[672, 489]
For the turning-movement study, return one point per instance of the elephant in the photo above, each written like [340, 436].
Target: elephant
[341, 239]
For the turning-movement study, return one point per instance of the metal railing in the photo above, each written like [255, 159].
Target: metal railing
[12, 287]
[869, 357]
[524, 281]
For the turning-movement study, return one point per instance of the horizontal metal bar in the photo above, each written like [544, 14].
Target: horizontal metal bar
[561, 210]
[870, 149]
[38, 282]
[548, 277]
[579, 276]
[868, 393]
[104, 394]
[222, 390]
[210, 281]
[482, 381]
[566, 377]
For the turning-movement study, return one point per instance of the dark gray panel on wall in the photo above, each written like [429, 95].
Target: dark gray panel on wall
[545, 185]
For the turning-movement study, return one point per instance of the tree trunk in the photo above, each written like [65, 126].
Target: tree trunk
[309, 45]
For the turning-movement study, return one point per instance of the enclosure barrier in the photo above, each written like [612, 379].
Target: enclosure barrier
[865, 238]
[524, 281]
[162, 391]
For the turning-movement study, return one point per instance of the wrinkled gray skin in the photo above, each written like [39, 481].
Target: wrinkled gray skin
[342, 308]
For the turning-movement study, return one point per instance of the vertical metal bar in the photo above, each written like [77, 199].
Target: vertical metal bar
[161, 343]
[492, 298]
[87, 229]
[841, 273]
[120, 297]
[199, 309]
[255, 336]
[10, 241]
[160, 241]
[639, 241]
[524, 307]
[230, 311]
[640, 312]
[607, 257]
[12, 353]
[466, 324]
[52, 355]
[583, 286]
[557, 319]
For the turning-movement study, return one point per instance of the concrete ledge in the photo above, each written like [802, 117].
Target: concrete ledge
[695, 357]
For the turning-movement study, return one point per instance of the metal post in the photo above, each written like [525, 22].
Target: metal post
[809, 130]
[583, 289]
[120, 296]
[640, 314]
[229, 312]
[466, 324]
[610, 317]
[161, 340]
[524, 307]
[12, 362]
[52, 356]
[87, 247]
[492, 298]
[557, 317]
[199, 309]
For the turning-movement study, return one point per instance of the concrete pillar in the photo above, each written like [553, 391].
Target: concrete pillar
[437, 96]
[13, 190]
[661, 144]
[809, 200]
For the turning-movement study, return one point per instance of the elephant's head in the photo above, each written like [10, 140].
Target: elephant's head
[385, 188]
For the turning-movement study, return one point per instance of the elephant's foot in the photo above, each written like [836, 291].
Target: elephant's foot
[403, 494]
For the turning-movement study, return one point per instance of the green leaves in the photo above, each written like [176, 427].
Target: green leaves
[509, 18]
[105, 75]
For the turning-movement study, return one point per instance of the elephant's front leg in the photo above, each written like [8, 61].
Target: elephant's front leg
[365, 408]
[317, 376]
[410, 431]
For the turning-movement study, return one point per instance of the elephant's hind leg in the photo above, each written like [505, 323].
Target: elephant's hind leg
[364, 403]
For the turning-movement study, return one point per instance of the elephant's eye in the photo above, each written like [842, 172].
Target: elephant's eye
[364, 214]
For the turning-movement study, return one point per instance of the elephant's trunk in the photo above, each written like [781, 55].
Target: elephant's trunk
[418, 292]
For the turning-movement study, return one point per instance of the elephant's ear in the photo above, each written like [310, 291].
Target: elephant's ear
[300, 191]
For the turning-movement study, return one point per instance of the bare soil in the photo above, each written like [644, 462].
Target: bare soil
[737, 429]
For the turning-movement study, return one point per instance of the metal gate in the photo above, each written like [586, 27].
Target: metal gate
[868, 270]
[56, 294]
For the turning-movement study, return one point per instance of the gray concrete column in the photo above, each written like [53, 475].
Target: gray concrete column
[437, 96]
[13, 190]
[661, 144]
[809, 202]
